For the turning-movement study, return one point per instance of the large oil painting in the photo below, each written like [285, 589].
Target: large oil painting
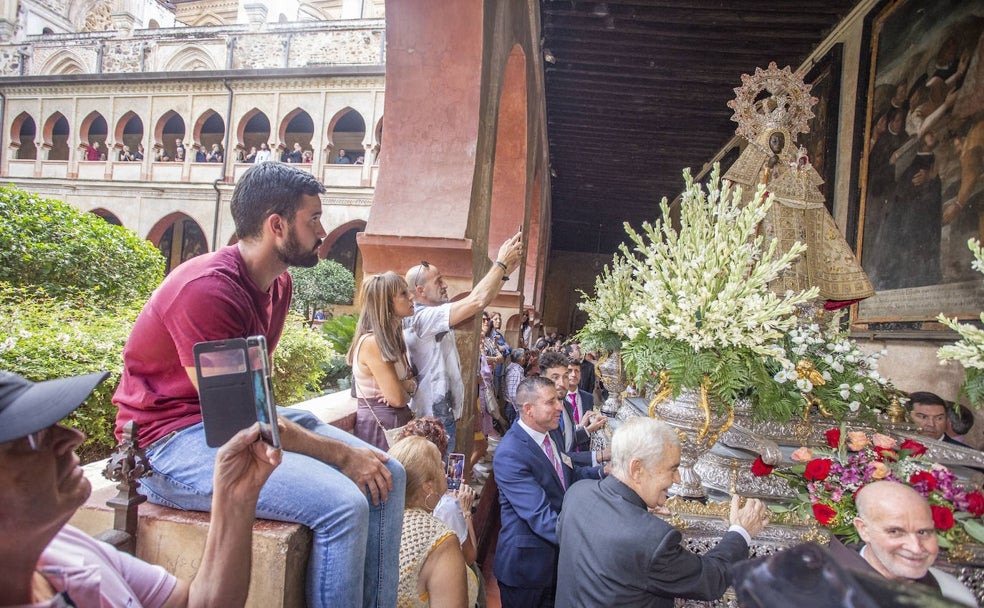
[922, 161]
[821, 141]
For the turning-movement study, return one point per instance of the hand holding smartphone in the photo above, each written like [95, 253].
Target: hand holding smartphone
[234, 389]
[456, 465]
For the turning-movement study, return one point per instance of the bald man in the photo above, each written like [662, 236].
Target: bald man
[896, 525]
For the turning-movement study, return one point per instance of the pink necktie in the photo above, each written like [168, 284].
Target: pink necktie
[577, 415]
[548, 448]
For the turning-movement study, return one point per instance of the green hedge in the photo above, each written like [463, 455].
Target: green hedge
[70, 254]
[43, 338]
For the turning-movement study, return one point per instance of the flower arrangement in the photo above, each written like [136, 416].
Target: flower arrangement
[699, 304]
[824, 367]
[969, 350]
[610, 303]
[827, 480]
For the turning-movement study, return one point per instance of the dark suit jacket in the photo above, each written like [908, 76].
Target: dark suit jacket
[530, 496]
[580, 450]
[613, 552]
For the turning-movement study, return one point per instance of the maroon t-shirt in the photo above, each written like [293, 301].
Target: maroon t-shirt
[209, 297]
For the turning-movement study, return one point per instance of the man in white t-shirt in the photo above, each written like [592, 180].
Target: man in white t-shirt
[46, 562]
[430, 335]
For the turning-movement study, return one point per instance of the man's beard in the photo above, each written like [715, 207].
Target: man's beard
[293, 255]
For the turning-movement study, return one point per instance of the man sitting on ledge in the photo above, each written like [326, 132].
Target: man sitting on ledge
[48, 563]
[896, 524]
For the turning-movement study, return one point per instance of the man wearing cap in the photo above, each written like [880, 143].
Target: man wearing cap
[46, 562]
[348, 493]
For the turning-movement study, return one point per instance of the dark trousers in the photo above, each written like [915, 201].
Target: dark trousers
[525, 597]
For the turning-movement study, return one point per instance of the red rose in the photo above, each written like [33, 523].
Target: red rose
[886, 453]
[915, 447]
[942, 517]
[817, 469]
[975, 503]
[924, 478]
[760, 469]
[833, 437]
[826, 514]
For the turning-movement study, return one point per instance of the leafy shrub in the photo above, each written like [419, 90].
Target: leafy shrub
[298, 363]
[321, 286]
[43, 338]
[339, 332]
[70, 253]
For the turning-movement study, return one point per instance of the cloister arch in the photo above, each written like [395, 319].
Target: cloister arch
[107, 215]
[509, 170]
[209, 129]
[179, 238]
[93, 128]
[346, 131]
[55, 136]
[192, 59]
[62, 63]
[23, 131]
[169, 127]
[297, 127]
[253, 129]
[129, 131]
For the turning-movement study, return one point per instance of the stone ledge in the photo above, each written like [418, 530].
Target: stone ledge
[175, 539]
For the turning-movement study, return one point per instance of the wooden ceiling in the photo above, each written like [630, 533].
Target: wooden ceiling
[636, 90]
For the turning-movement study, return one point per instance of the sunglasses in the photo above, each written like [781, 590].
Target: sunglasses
[38, 440]
[420, 269]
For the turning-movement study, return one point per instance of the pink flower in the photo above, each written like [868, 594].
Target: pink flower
[879, 470]
[803, 454]
[857, 441]
[884, 441]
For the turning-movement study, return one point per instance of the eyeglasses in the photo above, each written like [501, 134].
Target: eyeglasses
[420, 268]
[38, 440]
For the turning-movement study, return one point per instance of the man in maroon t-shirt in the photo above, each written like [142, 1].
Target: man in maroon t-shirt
[235, 292]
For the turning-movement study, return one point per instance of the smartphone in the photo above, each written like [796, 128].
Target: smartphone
[456, 465]
[266, 410]
[234, 389]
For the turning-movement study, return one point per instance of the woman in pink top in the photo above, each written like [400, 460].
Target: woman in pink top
[384, 380]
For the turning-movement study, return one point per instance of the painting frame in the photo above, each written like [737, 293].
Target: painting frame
[824, 78]
[910, 168]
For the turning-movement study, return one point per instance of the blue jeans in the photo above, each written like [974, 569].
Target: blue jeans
[355, 549]
[451, 428]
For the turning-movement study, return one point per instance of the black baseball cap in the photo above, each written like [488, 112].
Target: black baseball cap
[27, 407]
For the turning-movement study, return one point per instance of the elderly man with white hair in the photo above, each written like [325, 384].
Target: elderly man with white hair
[615, 552]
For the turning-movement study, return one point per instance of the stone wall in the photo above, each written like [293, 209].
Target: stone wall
[293, 45]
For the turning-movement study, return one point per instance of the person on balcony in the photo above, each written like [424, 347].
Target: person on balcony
[215, 155]
[94, 151]
[263, 154]
[342, 159]
[295, 155]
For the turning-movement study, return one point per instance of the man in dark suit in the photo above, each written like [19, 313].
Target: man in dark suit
[614, 552]
[532, 474]
[929, 412]
[575, 430]
[579, 405]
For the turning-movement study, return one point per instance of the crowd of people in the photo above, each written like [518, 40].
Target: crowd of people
[576, 519]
